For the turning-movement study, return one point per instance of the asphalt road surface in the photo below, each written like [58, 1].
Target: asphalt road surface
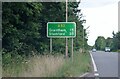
[106, 63]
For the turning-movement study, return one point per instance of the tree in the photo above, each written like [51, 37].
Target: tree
[100, 43]
[21, 26]
[116, 41]
[24, 26]
[109, 42]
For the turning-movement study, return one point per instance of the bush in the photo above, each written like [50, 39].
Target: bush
[118, 51]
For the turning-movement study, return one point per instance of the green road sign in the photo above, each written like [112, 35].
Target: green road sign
[61, 29]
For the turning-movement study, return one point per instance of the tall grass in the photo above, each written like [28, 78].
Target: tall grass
[50, 66]
[79, 65]
[36, 66]
[43, 66]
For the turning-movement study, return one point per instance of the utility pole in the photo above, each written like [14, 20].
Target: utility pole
[119, 16]
[66, 54]
[50, 45]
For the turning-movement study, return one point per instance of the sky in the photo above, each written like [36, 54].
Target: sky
[101, 16]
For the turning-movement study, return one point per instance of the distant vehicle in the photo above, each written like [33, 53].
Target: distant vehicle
[107, 49]
[93, 50]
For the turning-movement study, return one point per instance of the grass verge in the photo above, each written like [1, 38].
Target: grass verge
[50, 66]
[77, 67]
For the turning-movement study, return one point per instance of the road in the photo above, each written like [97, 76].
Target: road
[106, 63]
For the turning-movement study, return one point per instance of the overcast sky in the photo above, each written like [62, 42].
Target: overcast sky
[101, 16]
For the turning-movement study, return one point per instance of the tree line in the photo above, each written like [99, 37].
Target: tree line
[24, 27]
[113, 43]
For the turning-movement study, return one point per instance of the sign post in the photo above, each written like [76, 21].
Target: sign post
[61, 30]
[50, 45]
[72, 49]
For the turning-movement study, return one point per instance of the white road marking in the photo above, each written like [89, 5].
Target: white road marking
[94, 65]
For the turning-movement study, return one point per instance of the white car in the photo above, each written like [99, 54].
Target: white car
[93, 50]
[107, 49]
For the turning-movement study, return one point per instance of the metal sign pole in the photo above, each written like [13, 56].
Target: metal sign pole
[50, 45]
[72, 49]
[66, 21]
[83, 40]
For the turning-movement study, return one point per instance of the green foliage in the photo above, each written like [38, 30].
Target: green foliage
[24, 28]
[49, 66]
[113, 43]
[73, 68]
[21, 27]
[100, 43]
[116, 41]
[109, 42]
[118, 51]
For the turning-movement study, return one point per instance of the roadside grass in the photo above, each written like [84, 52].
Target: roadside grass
[50, 66]
[118, 51]
[14, 69]
[77, 67]
[43, 66]
[36, 66]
